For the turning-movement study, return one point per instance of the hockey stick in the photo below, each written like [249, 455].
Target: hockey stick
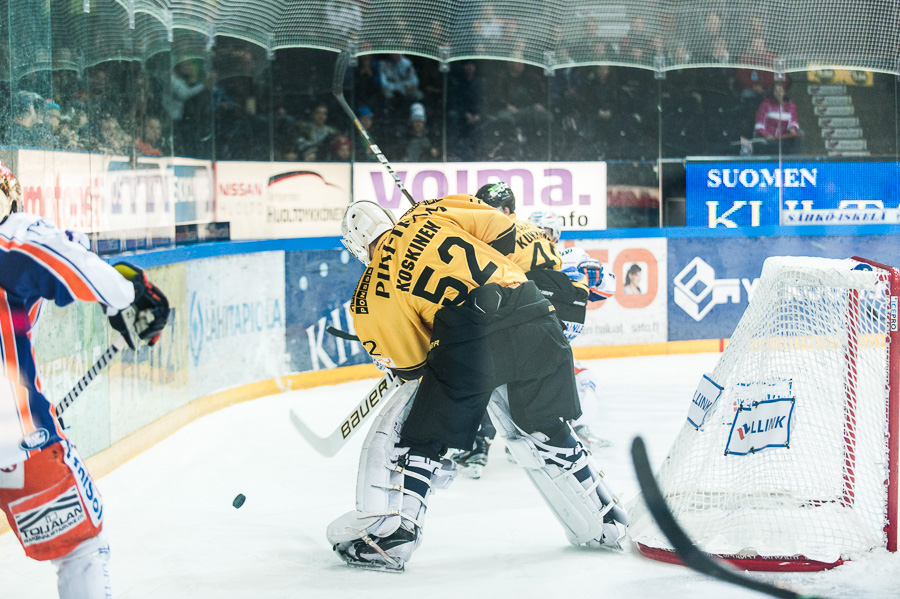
[337, 88]
[330, 445]
[341, 334]
[689, 554]
[89, 376]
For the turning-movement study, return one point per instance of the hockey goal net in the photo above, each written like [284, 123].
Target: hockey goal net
[788, 457]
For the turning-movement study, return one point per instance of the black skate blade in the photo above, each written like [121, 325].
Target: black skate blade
[376, 566]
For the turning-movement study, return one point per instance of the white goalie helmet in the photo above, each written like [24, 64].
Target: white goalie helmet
[549, 222]
[10, 192]
[364, 221]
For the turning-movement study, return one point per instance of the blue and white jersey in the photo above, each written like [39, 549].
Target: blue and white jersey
[39, 262]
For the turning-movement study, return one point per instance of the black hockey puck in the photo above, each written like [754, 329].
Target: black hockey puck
[239, 500]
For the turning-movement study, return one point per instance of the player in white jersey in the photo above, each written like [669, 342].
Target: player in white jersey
[46, 492]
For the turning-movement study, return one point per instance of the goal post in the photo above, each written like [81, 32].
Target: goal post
[787, 459]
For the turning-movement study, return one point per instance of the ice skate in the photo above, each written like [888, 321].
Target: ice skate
[471, 463]
[385, 554]
[591, 441]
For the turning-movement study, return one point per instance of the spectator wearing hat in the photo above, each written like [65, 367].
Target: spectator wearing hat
[340, 149]
[367, 120]
[418, 145]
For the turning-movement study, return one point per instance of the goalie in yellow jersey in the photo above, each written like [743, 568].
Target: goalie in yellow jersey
[442, 306]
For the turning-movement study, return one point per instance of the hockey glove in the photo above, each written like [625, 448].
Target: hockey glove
[601, 285]
[144, 319]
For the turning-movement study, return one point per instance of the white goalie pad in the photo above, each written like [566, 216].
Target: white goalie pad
[380, 482]
[581, 510]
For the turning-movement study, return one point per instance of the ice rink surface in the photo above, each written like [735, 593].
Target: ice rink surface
[175, 534]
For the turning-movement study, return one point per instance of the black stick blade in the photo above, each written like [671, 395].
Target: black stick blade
[689, 554]
[341, 334]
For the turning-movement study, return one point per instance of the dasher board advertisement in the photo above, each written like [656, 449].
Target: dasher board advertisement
[754, 194]
[96, 193]
[279, 200]
[576, 191]
[637, 311]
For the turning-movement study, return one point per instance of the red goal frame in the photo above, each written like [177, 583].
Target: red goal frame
[799, 563]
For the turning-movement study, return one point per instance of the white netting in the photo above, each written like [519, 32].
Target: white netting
[816, 332]
[661, 35]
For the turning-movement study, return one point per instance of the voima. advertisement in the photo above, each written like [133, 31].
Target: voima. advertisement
[576, 191]
[753, 194]
[637, 312]
[277, 200]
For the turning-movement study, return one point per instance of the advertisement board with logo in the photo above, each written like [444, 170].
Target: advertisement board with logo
[99, 193]
[275, 200]
[753, 194]
[62, 187]
[318, 287]
[236, 320]
[576, 191]
[191, 188]
[636, 313]
[712, 279]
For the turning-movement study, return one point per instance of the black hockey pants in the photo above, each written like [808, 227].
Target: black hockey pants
[499, 335]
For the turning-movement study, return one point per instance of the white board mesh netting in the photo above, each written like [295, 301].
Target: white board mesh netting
[661, 35]
[819, 328]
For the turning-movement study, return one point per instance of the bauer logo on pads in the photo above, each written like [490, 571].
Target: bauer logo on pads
[759, 425]
[705, 397]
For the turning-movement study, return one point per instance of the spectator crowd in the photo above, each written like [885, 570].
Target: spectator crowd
[232, 105]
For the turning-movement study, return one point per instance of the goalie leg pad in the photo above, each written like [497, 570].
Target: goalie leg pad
[392, 492]
[567, 479]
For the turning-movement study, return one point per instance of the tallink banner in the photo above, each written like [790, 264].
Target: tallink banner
[713, 279]
[753, 194]
[318, 287]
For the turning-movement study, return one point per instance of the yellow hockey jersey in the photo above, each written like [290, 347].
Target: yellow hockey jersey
[436, 253]
[533, 250]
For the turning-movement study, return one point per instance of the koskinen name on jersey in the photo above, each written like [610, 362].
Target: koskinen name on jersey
[416, 246]
[404, 276]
